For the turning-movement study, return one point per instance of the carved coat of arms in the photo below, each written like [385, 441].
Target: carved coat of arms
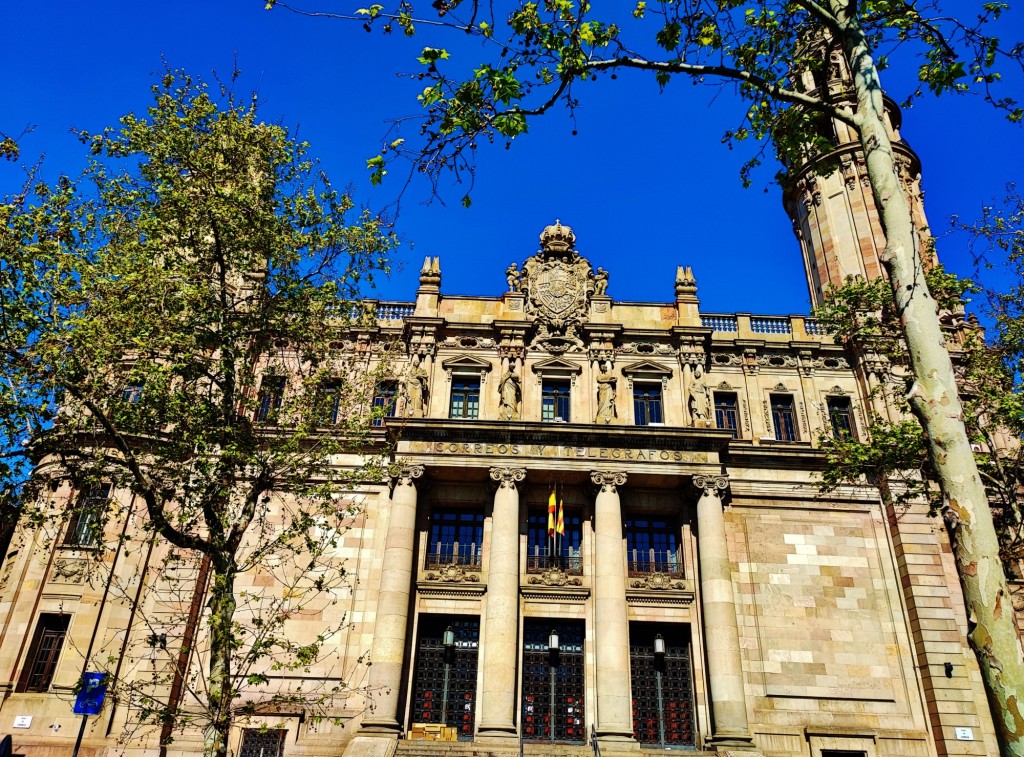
[558, 285]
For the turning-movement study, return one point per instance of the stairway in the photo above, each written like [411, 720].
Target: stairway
[467, 749]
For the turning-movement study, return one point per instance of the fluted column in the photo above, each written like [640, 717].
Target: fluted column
[392, 619]
[501, 613]
[611, 626]
[721, 637]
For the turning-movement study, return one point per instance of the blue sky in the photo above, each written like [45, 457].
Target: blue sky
[646, 183]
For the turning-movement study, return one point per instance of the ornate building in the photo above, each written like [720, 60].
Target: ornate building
[605, 527]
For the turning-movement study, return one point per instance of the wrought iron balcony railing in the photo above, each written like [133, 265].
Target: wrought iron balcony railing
[442, 555]
[539, 562]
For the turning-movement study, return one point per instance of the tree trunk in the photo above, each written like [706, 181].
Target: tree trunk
[935, 401]
[222, 638]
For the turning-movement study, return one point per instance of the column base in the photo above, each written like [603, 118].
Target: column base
[371, 745]
[374, 727]
[496, 732]
[615, 733]
[725, 742]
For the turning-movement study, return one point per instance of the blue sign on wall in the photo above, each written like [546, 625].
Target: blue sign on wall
[90, 698]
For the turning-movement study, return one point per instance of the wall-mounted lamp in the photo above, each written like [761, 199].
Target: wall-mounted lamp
[553, 641]
[449, 637]
[659, 646]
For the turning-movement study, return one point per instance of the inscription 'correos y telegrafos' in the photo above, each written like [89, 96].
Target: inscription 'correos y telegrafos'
[559, 451]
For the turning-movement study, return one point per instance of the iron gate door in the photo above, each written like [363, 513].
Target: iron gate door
[566, 723]
[432, 701]
[676, 686]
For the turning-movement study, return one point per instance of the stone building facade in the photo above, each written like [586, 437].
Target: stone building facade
[605, 526]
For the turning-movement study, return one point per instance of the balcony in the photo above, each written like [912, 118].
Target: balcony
[452, 563]
[656, 570]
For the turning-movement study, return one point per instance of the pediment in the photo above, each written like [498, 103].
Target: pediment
[556, 365]
[647, 369]
[466, 364]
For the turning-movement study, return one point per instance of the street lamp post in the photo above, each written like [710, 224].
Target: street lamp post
[449, 650]
[553, 655]
[659, 661]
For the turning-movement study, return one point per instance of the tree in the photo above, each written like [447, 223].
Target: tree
[550, 51]
[166, 328]
[893, 455]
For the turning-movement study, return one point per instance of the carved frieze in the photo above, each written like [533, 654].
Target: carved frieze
[554, 577]
[657, 581]
[452, 574]
[69, 570]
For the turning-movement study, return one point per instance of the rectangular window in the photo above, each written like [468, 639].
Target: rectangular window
[262, 742]
[561, 551]
[132, 393]
[652, 546]
[84, 522]
[554, 404]
[646, 404]
[465, 397]
[328, 402]
[43, 655]
[840, 415]
[270, 398]
[783, 418]
[725, 413]
[456, 538]
[384, 399]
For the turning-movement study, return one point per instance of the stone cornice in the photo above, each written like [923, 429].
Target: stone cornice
[564, 434]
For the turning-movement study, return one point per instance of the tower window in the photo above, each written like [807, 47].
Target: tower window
[725, 413]
[647, 404]
[783, 418]
[83, 529]
[840, 416]
[44, 654]
[270, 398]
[465, 397]
[555, 401]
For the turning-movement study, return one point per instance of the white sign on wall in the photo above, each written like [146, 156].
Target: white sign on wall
[22, 721]
[964, 734]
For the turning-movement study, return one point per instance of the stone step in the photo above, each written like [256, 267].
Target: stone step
[468, 749]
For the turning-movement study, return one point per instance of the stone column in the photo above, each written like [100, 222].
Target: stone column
[392, 620]
[501, 616]
[611, 626]
[721, 637]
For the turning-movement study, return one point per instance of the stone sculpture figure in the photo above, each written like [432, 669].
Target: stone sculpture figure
[511, 395]
[512, 274]
[601, 281]
[700, 400]
[606, 384]
[416, 390]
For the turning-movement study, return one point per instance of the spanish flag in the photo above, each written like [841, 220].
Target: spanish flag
[551, 514]
[560, 527]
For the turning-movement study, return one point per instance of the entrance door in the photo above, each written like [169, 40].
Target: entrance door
[676, 694]
[434, 702]
[553, 683]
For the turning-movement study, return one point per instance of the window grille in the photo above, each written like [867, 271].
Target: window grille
[44, 654]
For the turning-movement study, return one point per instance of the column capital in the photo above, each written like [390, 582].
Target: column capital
[608, 480]
[507, 478]
[406, 475]
[710, 485]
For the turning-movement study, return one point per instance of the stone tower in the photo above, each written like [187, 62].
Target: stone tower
[833, 211]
